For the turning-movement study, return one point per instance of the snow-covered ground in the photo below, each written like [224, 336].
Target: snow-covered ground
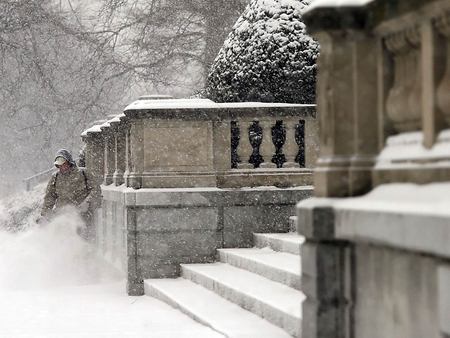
[52, 284]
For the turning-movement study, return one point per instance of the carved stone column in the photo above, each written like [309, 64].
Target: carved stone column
[442, 60]
[244, 147]
[403, 105]
[267, 147]
[334, 102]
[365, 114]
[290, 148]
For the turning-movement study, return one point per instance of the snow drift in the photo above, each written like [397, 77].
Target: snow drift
[45, 255]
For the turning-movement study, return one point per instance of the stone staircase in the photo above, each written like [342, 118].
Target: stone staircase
[251, 292]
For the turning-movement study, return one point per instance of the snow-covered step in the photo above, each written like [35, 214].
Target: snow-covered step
[211, 310]
[280, 267]
[285, 242]
[273, 301]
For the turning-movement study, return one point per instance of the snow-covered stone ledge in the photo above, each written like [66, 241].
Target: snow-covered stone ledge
[385, 252]
[181, 143]
[403, 216]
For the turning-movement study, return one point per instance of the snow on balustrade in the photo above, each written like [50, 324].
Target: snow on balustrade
[169, 143]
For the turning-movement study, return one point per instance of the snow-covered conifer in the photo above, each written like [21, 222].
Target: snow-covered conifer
[267, 57]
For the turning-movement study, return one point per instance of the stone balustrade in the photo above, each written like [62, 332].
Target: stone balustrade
[182, 178]
[384, 72]
[378, 265]
[199, 143]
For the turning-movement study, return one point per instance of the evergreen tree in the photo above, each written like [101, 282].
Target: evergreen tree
[267, 57]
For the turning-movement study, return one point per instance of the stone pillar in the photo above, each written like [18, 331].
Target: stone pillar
[334, 102]
[95, 162]
[244, 148]
[119, 142]
[290, 148]
[126, 174]
[135, 282]
[136, 154]
[327, 274]
[365, 114]
[109, 149]
[222, 145]
[267, 147]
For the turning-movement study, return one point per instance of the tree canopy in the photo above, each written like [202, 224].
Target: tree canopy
[268, 56]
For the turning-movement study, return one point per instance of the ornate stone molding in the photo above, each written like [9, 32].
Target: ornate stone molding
[403, 104]
[442, 94]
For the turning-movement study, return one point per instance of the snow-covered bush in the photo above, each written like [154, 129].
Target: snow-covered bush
[267, 57]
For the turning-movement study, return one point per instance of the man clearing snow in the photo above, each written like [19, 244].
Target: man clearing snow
[69, 186]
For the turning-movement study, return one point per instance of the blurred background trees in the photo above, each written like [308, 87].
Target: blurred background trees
[66, 63]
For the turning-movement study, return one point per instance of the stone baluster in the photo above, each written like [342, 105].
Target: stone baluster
[95, 164]
[244, 148]
[395, 107]
[109, 157]
[415, 71]
[290, 148]
[403, 102]
[267, 147]
[443, 90]
[300, 139]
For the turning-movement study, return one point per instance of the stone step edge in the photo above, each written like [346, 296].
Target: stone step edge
[162, 296]
[286, 321]
[262, 240]
[271, 272]
[156, 292]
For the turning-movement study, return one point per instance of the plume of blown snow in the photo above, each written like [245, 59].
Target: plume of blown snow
[19, 211]
[50, 255]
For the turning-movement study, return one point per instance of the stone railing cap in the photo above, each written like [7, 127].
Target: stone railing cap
[171, 104]
[336, 14]
[180, 104]
[316, 4]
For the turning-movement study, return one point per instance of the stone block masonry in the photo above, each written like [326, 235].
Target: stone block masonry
[163, 228]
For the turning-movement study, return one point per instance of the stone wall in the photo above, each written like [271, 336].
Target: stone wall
[149, 232]
[378, 266]
[182, 178]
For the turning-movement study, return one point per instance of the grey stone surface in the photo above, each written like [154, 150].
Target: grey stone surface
[397, 294]
[327, 271]
[444, 299]
[152, 231]
[174, 246]
[315, 218]
[324, 320]
[403, 229]
[324, 270]
[177, 219]
[245, 220]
